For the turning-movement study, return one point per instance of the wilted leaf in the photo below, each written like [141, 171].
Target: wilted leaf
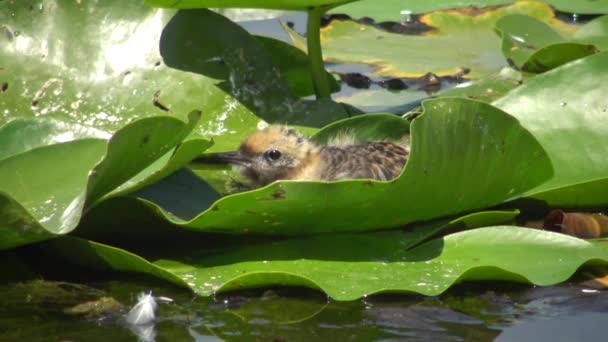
[582, 225]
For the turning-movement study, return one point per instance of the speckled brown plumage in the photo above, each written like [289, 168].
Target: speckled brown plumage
[279, 152]
[379, 160]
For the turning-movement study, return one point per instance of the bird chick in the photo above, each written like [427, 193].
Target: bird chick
[279, 152]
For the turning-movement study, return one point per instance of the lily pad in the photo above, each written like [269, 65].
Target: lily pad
[294, 66]
[460, 39]
[391, 10]
[201, 41]
[97, 86]
[47, 197]
[348, 267]
[533, 46]
[270, 4]
[594, 32]
[488, 88]
[469, 178]
[103, 257]
[568, 124]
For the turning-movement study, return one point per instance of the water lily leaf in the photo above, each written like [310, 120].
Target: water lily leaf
[45, 196]
[371, 127]
[533, 46]
[42, 132]
[594, 32]
[460, 39]
[391, 10]
[295, 5]
[488, 88]
[113, 75]
[442, 140]
[202, 41]
[567, 124]
[164, 166]
[98, 256]
[347, 267]
[294, 66]
[590, 194]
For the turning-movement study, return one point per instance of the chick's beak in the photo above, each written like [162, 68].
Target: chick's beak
[234, 157]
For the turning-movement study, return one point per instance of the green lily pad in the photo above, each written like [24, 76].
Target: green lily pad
[204, 42]
[294, 66]
[370, 127]
[568, 124]
[488, 88]
[102, 257]
[391, 9]
[294, 5]
[461, 39]
[47, 197]
[97, 86]
[442, 163]
[594, 32]
[348, 267]
[41, 133]
[533, 46]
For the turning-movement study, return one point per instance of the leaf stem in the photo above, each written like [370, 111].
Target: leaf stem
[315, 55]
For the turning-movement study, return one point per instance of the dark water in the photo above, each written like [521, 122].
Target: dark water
[486, 312]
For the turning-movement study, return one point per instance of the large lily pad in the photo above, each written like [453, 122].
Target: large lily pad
[204, 42]
[568, 124]
[44, 196]
[115, 74]
[533, 46]
[465, 155]
[103, 257]
[271, 4]
[350, 266]
[488, 88]
[461, 39]
[391, 10]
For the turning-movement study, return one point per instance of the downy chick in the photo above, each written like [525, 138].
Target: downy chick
[279, 152]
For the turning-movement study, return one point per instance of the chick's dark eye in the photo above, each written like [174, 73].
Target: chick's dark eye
[273, 154]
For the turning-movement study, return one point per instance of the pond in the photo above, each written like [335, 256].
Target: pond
[471, 312]
[45, 309]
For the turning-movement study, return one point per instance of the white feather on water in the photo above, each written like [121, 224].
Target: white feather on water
[144, 312]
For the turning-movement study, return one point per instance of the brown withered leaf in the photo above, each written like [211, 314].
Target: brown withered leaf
[582, 225]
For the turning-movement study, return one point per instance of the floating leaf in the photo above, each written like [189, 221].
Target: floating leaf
[46, 197]
[442, 140]
[488, 88]
[294, 5]
[392, 10]
[533, 46]
[461, 39]
[566, 123]
[347, 267]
